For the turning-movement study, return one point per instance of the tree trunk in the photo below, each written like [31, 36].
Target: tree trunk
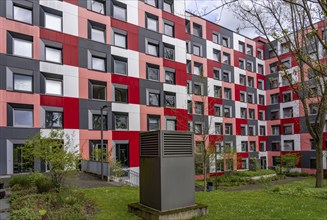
[205, 176]
[319, 165]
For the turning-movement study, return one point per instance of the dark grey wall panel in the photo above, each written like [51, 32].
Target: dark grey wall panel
[150, 85]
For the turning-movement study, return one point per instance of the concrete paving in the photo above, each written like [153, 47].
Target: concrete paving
[4, 209]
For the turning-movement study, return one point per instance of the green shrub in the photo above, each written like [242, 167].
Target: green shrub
[304, 174]
[22, 180]
[44, 184]
[25, 213]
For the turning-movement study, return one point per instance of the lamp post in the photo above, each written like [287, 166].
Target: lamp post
[216, 176]
[280, 171]
[101, 134]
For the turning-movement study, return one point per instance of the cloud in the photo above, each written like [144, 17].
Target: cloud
[223, 17]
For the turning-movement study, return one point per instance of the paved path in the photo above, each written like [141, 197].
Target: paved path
[4, 208]
[261, 186]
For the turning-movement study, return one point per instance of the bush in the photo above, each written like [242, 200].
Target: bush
[22, 180]
[44, 185]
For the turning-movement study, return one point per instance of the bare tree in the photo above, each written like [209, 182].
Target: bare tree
[296, 27]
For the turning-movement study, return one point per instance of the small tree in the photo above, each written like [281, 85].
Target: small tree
[289, 161]
[56, 150]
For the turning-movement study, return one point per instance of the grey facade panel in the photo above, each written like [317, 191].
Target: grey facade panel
[305, 158]
[150, 85]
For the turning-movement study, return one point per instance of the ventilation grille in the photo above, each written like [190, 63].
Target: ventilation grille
[150, 145]
[176, 144]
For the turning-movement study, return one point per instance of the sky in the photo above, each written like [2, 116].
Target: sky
[223, 17]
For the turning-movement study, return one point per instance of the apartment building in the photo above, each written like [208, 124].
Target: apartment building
[155, 67]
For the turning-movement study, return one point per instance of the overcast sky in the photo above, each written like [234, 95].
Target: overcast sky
[223, 17]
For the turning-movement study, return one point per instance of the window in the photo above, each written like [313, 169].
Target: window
[170, 99]
[262, 146]
[95, 150]
[313, 108]
[198, 67]
[53, 86]
[261, 115]
[23, 14]
[259, 54]
[120, 65]
[199, 108]
[241, 63]
[284, 47]
[189, 87]
[287, 96]
[197, 30]
[225, 41]
[273, 67]
[217, 91]
[197, 49]
[216, 74]
[250, 81]
[271, 53]
[274, 115]
[262, 130]
[229, 164]
[52, 21]
[275, 130]
[249, 66]
[226, 76]
[261, 99]
[170, 124]
[243, 130]
[288, 112]
[226, 58]
[22, 47]
[189, 107]
[168, 6]
[260, 69]
[217, 110]
[288, 145]
[227, 112]
[96, 122]
[242, 96]
[251, 130]
[218, 128]
[252, 146]
[169, 52]
[121, 94]
[119, 12]
[286, 79]
[153, 72]
[154, 3]
[275, 146]
[121, 121]
[151, 22]
[313, 145]
[274, 98]
[288, 129]
[98, 6]
[273, 83]
[190, 126]
[216, 55]
[120, 40]
[122, 154]
[152, 48]
[154, 98]
[244, 163]
[215, 38]
[187, 26]
[23, 118]
[188, 66]
[153, 122]
[251, 113]
[228, 129]
[313, 163]
[227, 93]
[97, 32]
[98, 90]
[23, 83]
[197, 90]
[241, 47]
[53, 119]
[244, 146]
[170, 77]
[249, 50]
[169, 29]
[242, 79]
[250, 98]
[260, 84]
[98, 63]
[19, 165]
[53, 54]
[243, 113]
[198, 128]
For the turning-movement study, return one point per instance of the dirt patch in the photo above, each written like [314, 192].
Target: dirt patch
[86, 180]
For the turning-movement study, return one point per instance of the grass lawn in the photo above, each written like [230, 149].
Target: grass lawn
[259, 204]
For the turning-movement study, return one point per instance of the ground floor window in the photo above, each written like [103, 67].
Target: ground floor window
[20, 164]
[122, 154]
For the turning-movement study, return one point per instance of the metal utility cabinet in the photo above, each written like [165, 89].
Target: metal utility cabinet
[167, 170]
